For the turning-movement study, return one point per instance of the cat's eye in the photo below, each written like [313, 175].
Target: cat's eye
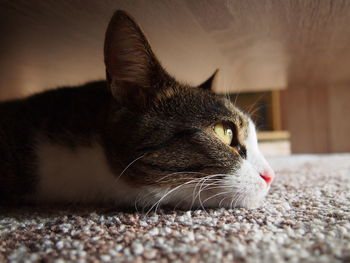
[224, 133]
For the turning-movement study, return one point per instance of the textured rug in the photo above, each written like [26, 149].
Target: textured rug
[305, 218]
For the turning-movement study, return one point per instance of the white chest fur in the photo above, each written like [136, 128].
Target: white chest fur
[79, 175]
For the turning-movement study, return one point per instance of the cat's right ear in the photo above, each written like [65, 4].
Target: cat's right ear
[209, 83]
[134, 74]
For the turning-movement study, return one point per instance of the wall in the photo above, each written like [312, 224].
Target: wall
[258, 45]
[317, 118]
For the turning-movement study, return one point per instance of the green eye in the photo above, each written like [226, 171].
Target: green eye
[224, 133]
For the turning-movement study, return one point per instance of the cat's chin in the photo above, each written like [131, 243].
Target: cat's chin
[251, 202]
[248, 200]
[187, 199]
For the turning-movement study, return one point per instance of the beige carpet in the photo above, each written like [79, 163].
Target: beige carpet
[306, 218]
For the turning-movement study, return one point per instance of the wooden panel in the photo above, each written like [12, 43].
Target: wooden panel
[275, 148]
[318, 119]
[297, 120]
[306, 112]
[276, 110]
[339, 118]
[273, 136]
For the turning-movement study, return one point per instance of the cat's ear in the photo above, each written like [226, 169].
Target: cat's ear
[208, 84]
[134, 74]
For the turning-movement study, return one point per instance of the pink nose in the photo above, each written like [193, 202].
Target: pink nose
[267, 175]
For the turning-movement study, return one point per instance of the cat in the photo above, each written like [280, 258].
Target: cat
[140, 138]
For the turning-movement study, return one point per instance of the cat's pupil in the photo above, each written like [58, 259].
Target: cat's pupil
[229, 133]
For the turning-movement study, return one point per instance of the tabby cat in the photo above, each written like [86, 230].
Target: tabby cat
[139, 138]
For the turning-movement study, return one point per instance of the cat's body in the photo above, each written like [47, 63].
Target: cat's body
[141, 138]
[29, 124]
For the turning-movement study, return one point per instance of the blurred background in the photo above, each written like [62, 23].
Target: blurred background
[285, 62]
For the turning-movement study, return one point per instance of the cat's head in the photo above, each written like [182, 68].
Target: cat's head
[183, 146]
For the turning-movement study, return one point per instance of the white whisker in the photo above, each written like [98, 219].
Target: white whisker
[128, 166]
[167, 194]
[213, 196]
